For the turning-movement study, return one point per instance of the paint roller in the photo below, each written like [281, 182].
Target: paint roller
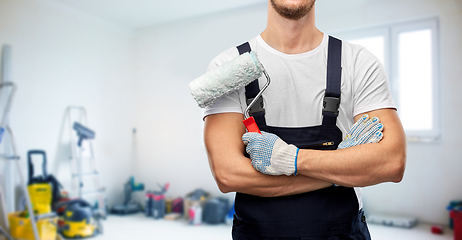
[229, 77]
[83, 133]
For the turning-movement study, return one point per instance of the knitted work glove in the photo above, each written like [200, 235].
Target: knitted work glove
[271, 155]
[365, 130]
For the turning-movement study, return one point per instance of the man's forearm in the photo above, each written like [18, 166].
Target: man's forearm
[357, 166]
[362, 165]
[234, 173]
[246, 179]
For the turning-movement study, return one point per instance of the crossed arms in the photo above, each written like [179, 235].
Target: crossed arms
[358, 166]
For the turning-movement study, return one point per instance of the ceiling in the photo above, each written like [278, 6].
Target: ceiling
[136, 14]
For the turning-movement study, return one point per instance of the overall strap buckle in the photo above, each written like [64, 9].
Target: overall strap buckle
[331, 104]
[257, 107]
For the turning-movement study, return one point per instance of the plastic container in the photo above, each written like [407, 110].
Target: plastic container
[456, 217]
[21, 227]
[158, 205]
[177, 205]
[454, 205]
[230, 216]
[168, 205]
[195, 214]
[436, 229]
[148, 206]
[198, 195]
[215, 210]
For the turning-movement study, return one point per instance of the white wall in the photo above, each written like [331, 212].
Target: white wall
[170, 126]
[61, 57]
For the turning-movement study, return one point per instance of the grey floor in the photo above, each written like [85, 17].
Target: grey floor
[140, 227]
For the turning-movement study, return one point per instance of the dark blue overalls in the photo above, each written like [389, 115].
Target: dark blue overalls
[329, 213]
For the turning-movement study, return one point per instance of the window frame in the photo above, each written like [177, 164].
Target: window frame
[391, 33]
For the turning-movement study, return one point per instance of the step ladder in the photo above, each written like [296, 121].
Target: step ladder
[14, 157]
[85, 174]
[4, 225]
[7, 91]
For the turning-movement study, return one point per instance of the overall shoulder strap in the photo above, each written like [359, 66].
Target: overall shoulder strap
[331, 102]
[252, 89]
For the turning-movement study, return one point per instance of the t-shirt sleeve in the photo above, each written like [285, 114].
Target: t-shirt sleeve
[229, 102]
[371, 87]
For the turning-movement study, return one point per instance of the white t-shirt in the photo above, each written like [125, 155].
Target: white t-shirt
[295, 95]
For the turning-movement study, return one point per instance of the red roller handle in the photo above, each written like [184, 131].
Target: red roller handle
[251, 125]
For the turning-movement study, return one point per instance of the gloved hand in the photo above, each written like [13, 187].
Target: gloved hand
[271, 155]
[365, 130]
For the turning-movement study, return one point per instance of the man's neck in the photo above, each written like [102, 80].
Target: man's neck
[292, 36]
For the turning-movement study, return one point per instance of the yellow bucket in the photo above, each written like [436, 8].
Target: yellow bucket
[21, 227]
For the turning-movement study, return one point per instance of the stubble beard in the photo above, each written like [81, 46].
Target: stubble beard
[290, 12]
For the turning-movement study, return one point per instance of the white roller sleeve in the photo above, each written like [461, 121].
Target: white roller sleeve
[226, 78]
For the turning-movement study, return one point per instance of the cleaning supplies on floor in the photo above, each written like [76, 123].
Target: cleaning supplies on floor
[455, 213]
[43, 189]
[437, 229]
[129, 205]
[197, 196]
[454, 205]
[393, 221]
[172, 216]
[148, 204]
[21, 227]
[158, 205]
[215, 210]
[195, 214]
[177, 205]
[155, 202]
[230, 216]
[79, 220]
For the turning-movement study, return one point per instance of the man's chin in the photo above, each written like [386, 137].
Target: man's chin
[292, 11]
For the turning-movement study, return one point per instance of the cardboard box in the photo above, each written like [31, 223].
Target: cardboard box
[172, 216]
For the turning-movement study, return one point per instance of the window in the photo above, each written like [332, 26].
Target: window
[409, 53]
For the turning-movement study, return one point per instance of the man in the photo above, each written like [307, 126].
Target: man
[285, 190]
